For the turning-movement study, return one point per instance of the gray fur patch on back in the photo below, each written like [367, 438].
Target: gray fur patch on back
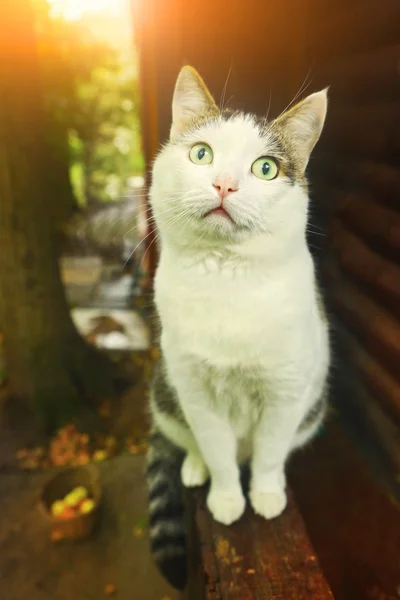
[321, 303]
[163, 395]
[316, 413]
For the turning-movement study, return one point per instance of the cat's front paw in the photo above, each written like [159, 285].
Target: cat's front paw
[194, 471]
[226, 506]
[268, 504]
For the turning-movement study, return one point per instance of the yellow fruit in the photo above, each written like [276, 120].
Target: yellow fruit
[67, 513]
[81, 493]
[100, 455]
[87, 506]
[76, 496]
[57, 508]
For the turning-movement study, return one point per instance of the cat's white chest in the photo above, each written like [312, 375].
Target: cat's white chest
[225, 313]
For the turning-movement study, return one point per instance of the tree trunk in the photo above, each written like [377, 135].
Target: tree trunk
[50, 368]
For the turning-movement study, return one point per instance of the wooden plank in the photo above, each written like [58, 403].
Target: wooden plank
[255, 559]
[362, 78]
[378, 330]
[363, 406]
[356, 28]
[374, 374]
[347, 496]
[360, 261]
[380, 180]
[372, 130]
[378, 225]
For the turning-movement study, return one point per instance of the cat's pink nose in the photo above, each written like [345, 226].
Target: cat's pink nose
[225, 185]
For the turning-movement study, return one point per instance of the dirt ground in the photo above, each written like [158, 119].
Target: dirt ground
[32, 567]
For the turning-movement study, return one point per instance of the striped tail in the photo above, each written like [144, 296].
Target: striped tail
[167, 532]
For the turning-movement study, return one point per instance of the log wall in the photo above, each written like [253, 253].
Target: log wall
[356, 181]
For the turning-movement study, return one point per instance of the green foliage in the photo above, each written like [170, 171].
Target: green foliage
[92, 96]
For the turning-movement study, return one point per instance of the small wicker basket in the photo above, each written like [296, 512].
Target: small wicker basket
[81, 525]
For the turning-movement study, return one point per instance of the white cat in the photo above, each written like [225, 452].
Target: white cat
[244, 337]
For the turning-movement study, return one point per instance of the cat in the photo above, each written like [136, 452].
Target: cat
[244, 340]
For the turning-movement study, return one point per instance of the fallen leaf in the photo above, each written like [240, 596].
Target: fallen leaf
[20, 454]
[104, 409]
[82, 458]
[56, 536]
[110, 589]
[138, 532]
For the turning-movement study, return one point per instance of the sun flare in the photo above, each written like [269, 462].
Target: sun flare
[76, 9]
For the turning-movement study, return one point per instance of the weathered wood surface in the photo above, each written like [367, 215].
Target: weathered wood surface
[372, 345]
[358, 260]
[356, 28]
[256, 559]
[382, 384]
[372, 130]
[381, 180]
[372, 415]
[371, 221]
[351, 513]
[362, 78]
[377, 329]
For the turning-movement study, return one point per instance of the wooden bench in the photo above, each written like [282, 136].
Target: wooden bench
[253, 559]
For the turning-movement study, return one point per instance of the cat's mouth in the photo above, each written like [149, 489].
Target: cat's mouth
[219, 211]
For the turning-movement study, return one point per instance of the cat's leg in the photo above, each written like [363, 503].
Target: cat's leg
[215, 439]
[168, 415]
[194, 471]
[273, 441]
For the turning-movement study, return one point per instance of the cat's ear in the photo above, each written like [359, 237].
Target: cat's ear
[302, 124]
[191, 100]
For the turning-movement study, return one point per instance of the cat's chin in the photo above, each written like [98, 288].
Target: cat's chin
[220, 212]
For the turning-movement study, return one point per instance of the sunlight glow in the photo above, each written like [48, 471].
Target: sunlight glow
[76, 9]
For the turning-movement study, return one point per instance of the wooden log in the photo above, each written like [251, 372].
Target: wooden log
[357, 28]
[372, 130]
[342, 487]
[362, 78]
[254, 558]
[365, 265]
[375, 223]
[360, 405]
[374, 375]
[377, 330]
[380, 180]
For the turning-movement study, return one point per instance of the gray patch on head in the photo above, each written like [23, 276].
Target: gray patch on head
[279, 146]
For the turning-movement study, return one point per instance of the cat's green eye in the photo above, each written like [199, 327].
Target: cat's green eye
[265, 168]
[201, 154]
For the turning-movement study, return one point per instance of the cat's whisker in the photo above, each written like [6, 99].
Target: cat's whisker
[302, 89]
[269, 103]
[221, 104]
[135, 248]
[315, 232]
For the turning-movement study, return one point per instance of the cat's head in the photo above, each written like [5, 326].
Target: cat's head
[225, 177]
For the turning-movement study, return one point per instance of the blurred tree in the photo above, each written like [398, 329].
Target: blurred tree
[50, 367]
[92, 95]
